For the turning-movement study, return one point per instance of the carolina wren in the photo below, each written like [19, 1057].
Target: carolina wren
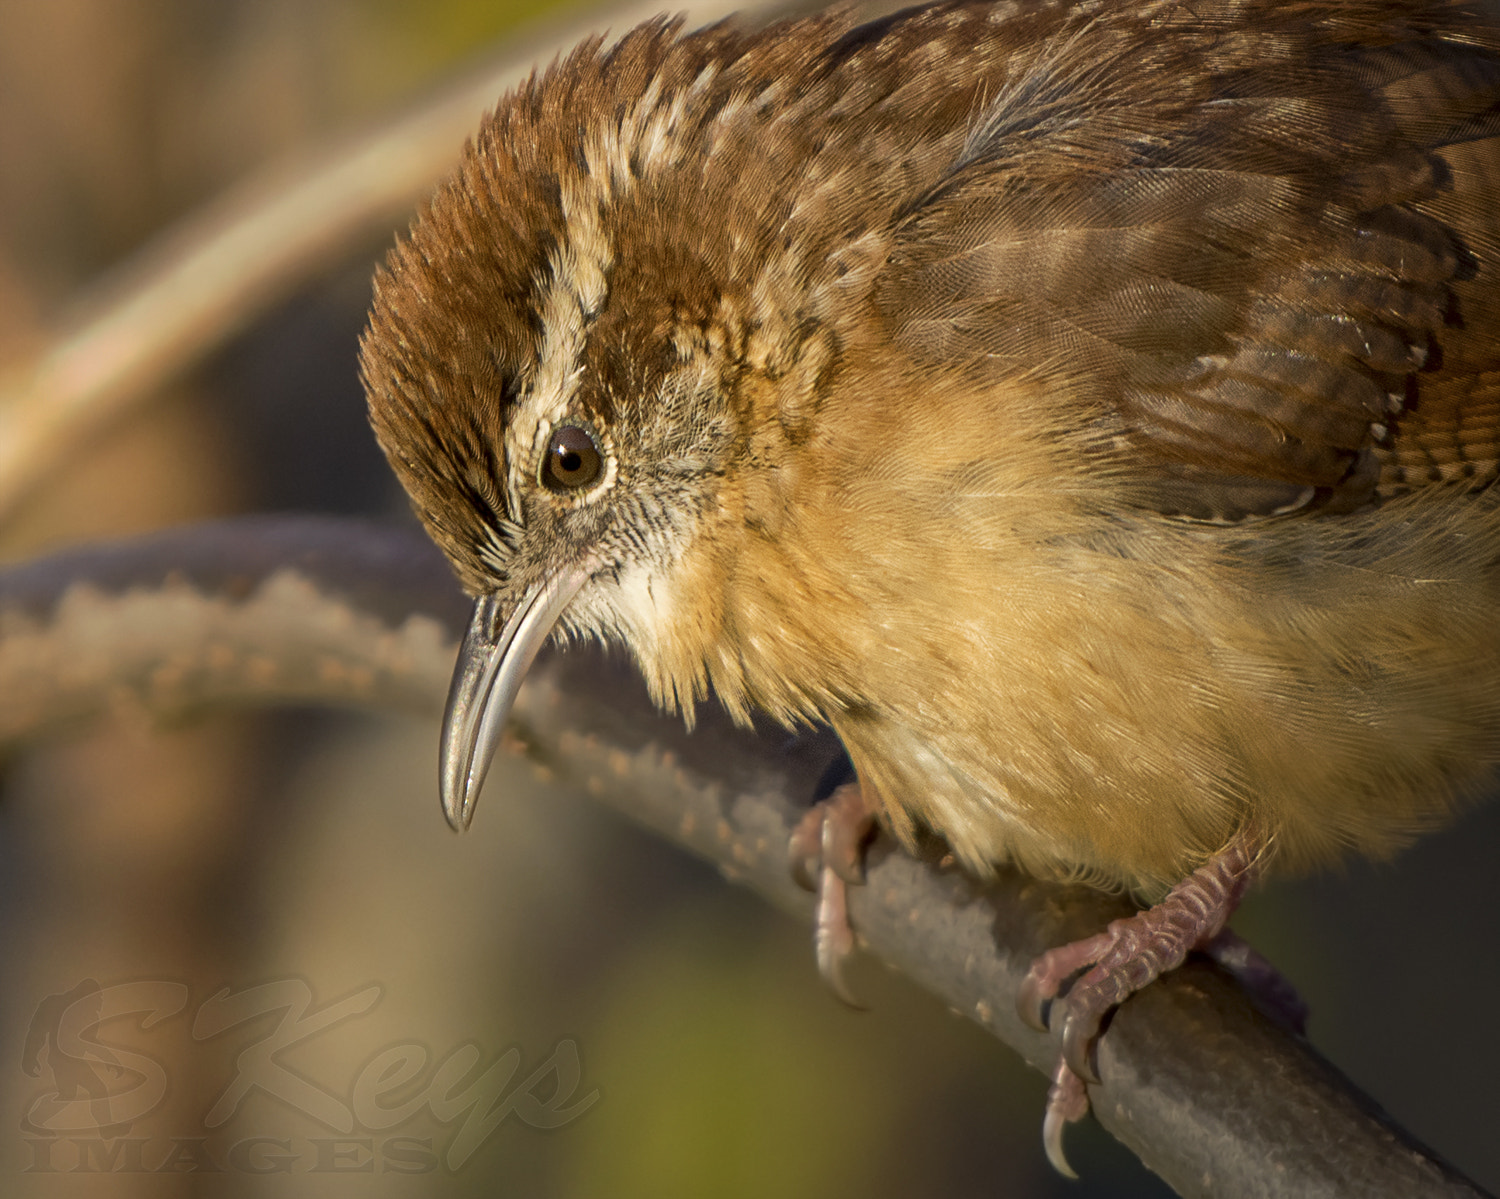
[1087, 410]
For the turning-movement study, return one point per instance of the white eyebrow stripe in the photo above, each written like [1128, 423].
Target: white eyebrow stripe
[574, 286]
[573, 289]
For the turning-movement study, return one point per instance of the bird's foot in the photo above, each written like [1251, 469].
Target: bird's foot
[1128, 955]
[827, 853]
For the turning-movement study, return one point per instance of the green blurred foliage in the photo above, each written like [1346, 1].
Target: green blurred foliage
[423, 39]
[723, 1081]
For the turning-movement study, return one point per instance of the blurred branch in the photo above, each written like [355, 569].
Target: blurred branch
[1210, 1094]
[200, 283]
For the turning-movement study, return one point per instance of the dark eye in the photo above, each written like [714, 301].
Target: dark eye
[573, 460]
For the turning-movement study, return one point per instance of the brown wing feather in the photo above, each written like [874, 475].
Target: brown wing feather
[1452, 429]
[1266, 266]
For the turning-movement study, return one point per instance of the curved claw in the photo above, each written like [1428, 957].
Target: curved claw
[827, 855]
[833, 938]
[1033, 998]
[1067, 1103]
[1052, 1141]
[1050, 971]
[1079, 1034]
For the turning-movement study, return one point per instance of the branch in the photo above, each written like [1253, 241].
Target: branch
[1210, 1094]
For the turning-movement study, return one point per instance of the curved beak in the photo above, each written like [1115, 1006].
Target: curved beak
[492, 661]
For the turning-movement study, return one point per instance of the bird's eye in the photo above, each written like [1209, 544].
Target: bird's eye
[573, 460]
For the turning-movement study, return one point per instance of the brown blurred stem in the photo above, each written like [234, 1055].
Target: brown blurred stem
[1210, 1094]
[194, 287]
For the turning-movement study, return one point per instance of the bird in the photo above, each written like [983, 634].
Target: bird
[1091, 411]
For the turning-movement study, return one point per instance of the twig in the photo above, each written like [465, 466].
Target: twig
[1210, 1094]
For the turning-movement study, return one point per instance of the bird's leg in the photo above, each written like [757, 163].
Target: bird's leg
[1128, 955]
[827, 852]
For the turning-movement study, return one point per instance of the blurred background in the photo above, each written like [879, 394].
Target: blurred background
[303, 852]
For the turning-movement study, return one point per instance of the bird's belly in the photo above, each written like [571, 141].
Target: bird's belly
[1337, 692]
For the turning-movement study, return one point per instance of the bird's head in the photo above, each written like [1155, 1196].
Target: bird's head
[555, 357]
